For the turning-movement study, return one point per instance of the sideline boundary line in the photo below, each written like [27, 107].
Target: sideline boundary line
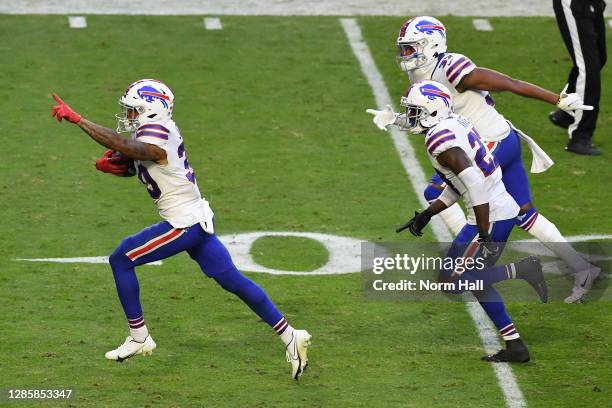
[486, 331]
[392, 8]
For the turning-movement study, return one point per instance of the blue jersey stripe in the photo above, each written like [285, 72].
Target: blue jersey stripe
[153, 126]
[459, 71]
[435, 136]
[444, 139]
[153, 134]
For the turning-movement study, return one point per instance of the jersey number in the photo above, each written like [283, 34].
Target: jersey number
[190, 173]
[152, 186]
[146, 178]
[484, 160]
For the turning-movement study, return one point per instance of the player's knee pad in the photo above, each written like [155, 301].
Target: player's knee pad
[431, 193]
[526, 219]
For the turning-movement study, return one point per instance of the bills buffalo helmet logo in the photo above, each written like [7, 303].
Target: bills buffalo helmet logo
[433, 92]
[150, 94]
[429, 27]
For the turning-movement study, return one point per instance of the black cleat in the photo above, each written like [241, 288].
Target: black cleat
[530, 270]
[587, 149]
[561, 118]
[515, 352]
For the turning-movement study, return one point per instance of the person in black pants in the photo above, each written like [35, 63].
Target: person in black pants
[583, 30]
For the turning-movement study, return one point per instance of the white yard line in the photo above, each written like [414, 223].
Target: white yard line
[83, 259]
[482, 24]
[486, 331]
[408, 8]
[213, 23]
[610, 23]
[77, 22]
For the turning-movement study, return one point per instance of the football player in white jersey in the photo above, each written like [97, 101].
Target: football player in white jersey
[156, 153]
[471, 173]
[422, 54]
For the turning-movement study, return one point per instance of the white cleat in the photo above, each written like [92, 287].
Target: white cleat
[297, 352]
[582, 283]
[130, 348]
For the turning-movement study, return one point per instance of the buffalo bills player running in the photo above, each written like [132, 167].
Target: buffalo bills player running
[421, 46]
[472, 173]
[157, 154]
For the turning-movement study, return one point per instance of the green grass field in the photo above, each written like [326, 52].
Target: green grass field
[272, 113]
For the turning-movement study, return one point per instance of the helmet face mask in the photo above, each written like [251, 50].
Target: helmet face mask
[410, 56]
[420, 41]
[127, 119]
[426, 103]
[413, 116]
[144, 101]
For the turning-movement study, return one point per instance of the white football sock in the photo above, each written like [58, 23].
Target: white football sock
[547, 233]
[454, 218]
[287, 335]
[140, 334]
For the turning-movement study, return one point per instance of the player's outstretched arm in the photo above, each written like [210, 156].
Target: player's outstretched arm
[107, 137]
[132, 148]
[485, 79]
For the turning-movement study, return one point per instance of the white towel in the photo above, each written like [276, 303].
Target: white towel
[540, 161]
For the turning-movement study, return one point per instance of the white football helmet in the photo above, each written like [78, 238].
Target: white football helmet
[152, 100]
[420, 41]
[426, 103]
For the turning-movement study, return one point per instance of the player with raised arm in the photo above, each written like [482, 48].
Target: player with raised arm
[471, 173]
[156, 153]
[422, 54]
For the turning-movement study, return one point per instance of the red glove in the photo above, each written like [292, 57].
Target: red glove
[115, 165]
[63, 111]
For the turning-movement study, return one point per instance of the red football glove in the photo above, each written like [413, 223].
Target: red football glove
[63, 111]
[115, 165]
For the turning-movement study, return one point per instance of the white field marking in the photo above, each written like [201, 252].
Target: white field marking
[212, 23]
[534, 247]
[474, 8]
[610, 23]
[486, 331]
[578, 238]
[482, 24]
[77, 22]
[344, 252]
[87, 259]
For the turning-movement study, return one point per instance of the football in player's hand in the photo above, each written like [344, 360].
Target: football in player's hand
[120, 158]
[115, 163]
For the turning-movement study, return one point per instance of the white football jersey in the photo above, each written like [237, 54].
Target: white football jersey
[476, 106]
[172, 186]
[457, 131]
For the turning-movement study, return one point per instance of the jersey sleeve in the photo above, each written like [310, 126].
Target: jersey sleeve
[153, 134]
[458, 67]
[440, 141]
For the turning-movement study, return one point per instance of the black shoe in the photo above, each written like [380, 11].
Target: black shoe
[587, 149]
[561, 118]
[530, 269]
[515, 352]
